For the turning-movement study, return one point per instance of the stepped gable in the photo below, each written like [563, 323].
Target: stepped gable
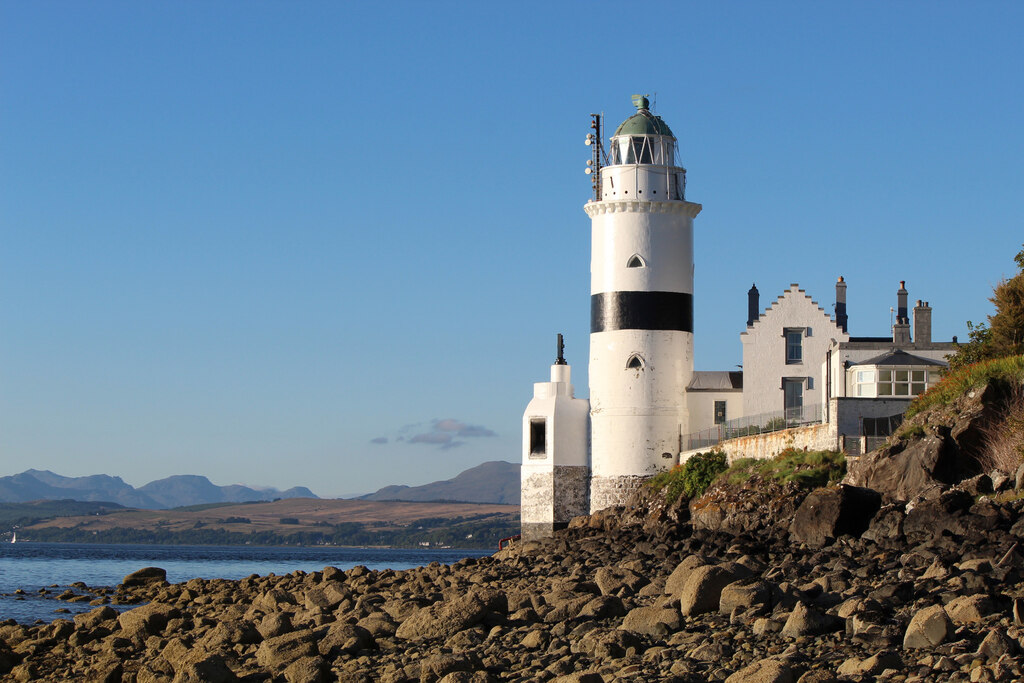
[791, 293]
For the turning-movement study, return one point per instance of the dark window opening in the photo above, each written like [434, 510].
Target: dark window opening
[635, 262]
[538, 436]
[719, 412]
[635, 363]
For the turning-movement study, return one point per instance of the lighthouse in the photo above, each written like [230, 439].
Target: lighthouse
[641, 305]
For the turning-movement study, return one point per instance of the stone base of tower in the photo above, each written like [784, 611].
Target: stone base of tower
[608, 491]
[552, 496]
[541, 530]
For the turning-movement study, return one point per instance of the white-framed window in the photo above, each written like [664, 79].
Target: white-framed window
[893, 381]
[793, 396]
[794, 345]
[719, 412]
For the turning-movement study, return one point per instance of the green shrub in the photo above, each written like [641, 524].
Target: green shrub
[809, 469]
[700, 470]
[958, 382]
[691, 478]
[670, 481]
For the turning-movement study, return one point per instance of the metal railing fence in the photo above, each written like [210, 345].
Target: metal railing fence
[749, 425]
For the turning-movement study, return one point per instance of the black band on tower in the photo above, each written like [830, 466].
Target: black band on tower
[641, 311]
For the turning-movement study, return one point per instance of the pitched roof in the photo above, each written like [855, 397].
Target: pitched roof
[898, 357]
[716, 380]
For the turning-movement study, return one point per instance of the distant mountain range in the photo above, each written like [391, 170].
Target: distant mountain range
[172, 492]
[495, 482]
[492, 482]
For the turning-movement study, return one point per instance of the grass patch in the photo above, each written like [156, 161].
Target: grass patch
[915, 431]
[956, 383]
[808, 469]
[691, 478]
[1007, 496]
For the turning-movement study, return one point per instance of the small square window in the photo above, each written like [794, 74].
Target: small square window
[917, 375]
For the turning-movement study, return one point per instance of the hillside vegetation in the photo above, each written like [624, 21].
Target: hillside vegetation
[299, 521]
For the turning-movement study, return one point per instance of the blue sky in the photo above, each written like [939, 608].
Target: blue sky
[330, 244]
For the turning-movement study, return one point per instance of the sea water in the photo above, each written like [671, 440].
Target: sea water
[34, 566]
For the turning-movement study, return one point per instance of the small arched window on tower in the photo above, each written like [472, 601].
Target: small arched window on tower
[636, 261]
[635, 362]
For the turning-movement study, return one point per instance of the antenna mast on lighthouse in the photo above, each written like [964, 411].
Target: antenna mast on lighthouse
[598, 156]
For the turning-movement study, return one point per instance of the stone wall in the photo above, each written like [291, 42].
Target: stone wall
[551, 497]
[848, 412]
[572, 492]
[608, 491]
[819, 437]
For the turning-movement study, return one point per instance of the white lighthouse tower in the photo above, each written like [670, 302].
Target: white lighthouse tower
[555, 472]
[641, 307]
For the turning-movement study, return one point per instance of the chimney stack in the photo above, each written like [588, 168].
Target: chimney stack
[901, 330]
[753, 305]
[922, 323]
[841, 318]
[901, 303]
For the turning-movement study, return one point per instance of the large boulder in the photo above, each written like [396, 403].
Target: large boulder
[763, 671]
[278, 652]
[443, 619]
[828, 513]
[611, 580]
[745, 594]
[674, 582]
[904, 470]
[702, 591]
[145, 621]
[929, 627]
[946, 512]
[145, 576]
[652, 621]
[808, 621]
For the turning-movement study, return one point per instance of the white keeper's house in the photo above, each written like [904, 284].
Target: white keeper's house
[805, 380]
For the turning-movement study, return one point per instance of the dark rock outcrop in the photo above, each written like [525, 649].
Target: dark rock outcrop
[936, 448]
[827, 513]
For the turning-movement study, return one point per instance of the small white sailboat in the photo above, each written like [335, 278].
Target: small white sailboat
[14, 537]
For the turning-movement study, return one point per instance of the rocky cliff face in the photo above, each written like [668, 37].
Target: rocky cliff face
[943, 446]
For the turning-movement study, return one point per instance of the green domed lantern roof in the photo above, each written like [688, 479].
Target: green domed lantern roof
[643, 122]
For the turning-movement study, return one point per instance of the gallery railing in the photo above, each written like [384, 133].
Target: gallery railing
[755, 424]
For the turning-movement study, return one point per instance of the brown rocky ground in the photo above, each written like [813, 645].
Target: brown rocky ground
[762, 582]
[642, 594]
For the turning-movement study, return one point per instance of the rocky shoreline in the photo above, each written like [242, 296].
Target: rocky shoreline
[935, 593]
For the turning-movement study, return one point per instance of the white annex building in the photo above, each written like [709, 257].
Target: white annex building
[648, 409]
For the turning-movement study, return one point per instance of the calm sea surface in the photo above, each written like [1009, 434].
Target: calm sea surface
[31, 566]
